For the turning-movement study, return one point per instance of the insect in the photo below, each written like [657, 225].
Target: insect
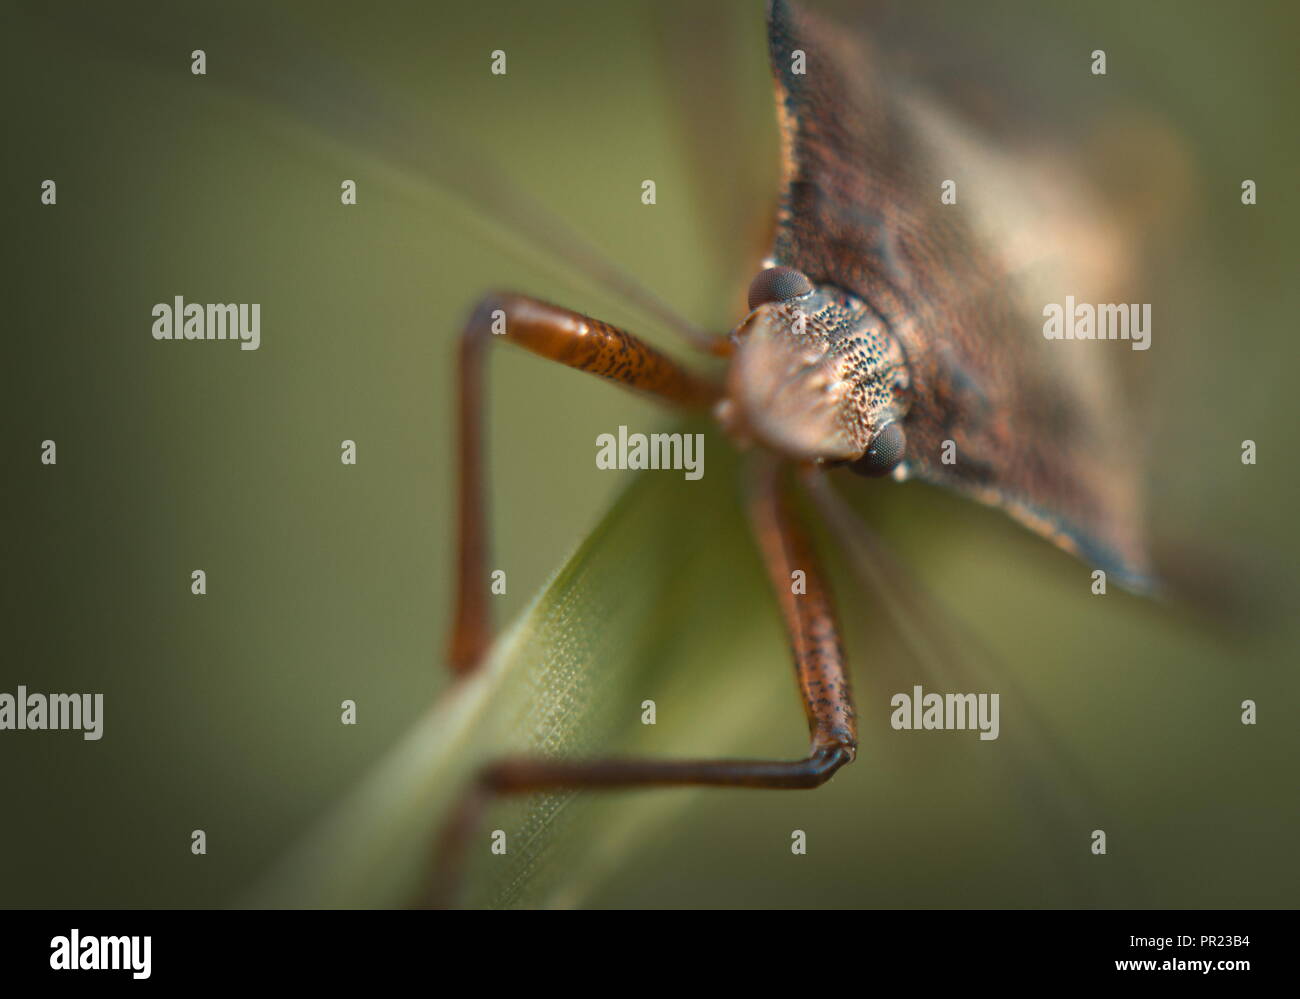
[890, 333]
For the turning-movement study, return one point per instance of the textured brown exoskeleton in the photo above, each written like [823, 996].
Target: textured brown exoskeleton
[889, 334]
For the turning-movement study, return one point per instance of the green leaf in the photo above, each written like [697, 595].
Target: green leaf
[665, 601]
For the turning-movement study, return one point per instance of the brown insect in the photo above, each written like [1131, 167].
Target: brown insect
[889, 334]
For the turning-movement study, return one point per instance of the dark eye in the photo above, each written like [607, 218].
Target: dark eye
[777, 284]
[884, 453]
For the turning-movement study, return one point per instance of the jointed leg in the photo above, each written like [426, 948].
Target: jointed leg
[560, 335]
[823, 684]
[809, 614]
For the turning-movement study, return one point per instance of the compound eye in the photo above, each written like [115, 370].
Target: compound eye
[884, 453]
[778, 284]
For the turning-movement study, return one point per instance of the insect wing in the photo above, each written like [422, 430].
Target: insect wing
[999, 412]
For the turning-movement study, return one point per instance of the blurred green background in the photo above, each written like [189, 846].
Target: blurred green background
[328, 582]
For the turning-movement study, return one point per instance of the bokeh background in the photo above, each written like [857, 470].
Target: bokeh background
[328, 582]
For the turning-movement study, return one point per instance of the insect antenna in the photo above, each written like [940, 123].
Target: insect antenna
[1050, 782]
[320, 91]
[721, 103]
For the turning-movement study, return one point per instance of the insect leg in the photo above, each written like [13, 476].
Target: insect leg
[559, 335]
[819, 667]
